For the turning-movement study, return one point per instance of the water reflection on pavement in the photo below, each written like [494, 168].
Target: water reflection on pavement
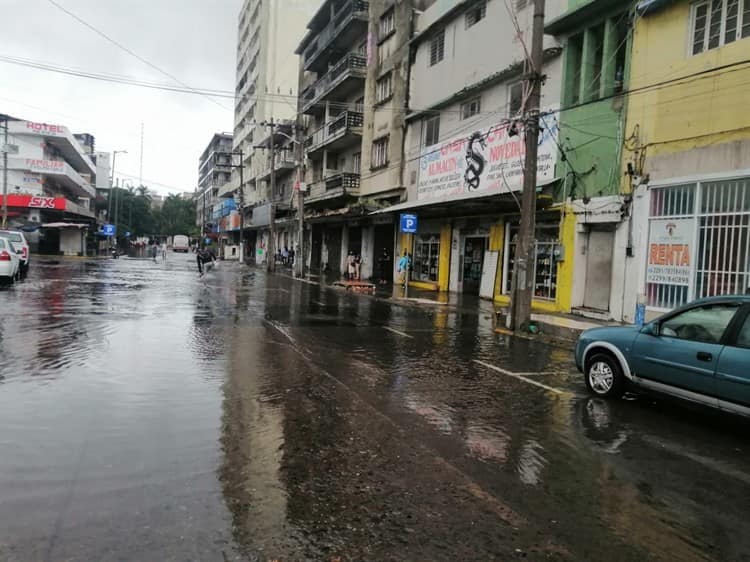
[147, 414]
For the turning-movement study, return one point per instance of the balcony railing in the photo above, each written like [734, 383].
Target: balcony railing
[347, 122]
[334, 185]
[352, 65]
[342, 18]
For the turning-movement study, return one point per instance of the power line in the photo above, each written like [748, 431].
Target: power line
[131, 53]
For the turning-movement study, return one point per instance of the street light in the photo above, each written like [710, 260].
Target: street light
[112, 186]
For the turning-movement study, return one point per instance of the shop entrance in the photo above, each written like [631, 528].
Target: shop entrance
[599, 247]
[473, 263]
[316, 247]
[384, 240]
[333, 243]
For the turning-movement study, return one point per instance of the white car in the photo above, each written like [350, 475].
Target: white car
[18, 241]
[10, 262]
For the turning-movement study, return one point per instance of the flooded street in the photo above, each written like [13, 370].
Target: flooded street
[147, 414]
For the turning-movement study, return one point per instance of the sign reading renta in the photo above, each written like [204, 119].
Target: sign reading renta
[670, 251]
[485, 160]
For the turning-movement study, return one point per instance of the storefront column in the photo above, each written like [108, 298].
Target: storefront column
[368, 252]
[565, 266]
[497, 242]
[444, 264]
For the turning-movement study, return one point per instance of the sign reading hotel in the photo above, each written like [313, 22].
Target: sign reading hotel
[485, 161]
[670, 252]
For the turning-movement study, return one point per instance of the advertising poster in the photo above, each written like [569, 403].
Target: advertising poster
[670, 251]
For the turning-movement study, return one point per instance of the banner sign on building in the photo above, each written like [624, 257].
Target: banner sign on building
[670, 251]
[35, 202]
[485, 161]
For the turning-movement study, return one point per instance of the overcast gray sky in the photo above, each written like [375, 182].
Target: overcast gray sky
[194, 40]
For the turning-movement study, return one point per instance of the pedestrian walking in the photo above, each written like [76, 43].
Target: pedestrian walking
[357, 267]
[285, 256]
[404, 266]
[164, 251]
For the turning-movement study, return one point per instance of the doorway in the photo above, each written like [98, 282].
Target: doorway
[473, 263]
[316, 247]
[599, 247]
[333, 244]
[384, 241]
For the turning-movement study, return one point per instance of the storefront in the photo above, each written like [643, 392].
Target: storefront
[698, 241]
[547, 253]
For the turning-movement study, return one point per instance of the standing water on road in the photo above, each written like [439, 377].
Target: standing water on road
[149, 414]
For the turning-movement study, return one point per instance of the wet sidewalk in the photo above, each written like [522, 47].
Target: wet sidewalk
[557, 325]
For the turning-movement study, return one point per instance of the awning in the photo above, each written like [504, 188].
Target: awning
[64, 225]
[468, 197]
[646, 7]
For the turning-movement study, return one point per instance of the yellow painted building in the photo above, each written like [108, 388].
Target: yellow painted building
[686, 155]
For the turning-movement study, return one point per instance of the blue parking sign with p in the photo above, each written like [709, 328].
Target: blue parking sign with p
[109, 229]
[408, 224]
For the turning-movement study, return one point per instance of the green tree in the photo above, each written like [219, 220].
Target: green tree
[177, 216]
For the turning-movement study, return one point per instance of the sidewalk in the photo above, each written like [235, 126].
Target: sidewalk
[562, 326]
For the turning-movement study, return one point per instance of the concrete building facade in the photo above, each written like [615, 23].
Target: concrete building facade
[266, 88]
[686, 157]
[214, 171]
[51, 187]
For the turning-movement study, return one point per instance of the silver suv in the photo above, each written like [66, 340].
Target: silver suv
[19, 243]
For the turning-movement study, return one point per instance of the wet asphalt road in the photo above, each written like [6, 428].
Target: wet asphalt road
[149, 415]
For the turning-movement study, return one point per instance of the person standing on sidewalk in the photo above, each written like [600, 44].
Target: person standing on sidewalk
[404, 266]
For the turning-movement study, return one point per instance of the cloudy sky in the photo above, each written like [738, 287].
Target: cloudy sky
[193, 40]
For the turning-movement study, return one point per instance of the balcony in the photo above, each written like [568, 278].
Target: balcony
[284, 165]
[62, 172]
[335, 186]
[339, 82]
[348, 26]
[340, 132]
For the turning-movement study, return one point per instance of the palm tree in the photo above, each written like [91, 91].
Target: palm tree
[143, 192]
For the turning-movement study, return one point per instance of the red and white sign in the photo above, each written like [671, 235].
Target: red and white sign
[36, 202]
[44, 128]
[45, 166]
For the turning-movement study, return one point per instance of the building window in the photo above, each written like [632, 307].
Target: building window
[387, 24]
[470, 108]
[432, 130]
[357, 162]
[476, 13]
[379, 153]
[384, 88]
[521, 4]
[515, 99]
[437, 47]
[698, 238]
[545, 264]
[719, 22]
[359, 105]
[426, 257]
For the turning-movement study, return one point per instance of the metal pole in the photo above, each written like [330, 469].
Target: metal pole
[5, 175]
[299, 255]
[525, 248]
[242, 205]
[117, 206]
[271, 263]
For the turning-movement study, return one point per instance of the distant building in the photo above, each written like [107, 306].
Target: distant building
[266, 88]
[51, 186]
[214, 172]
[156, 201]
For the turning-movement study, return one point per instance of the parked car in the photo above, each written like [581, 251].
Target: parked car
[18, 241]
[10, 262]
[700, 352]
[181, 243]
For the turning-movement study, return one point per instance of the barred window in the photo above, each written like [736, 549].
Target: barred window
[387, 24]
[384, 88]
[437, 47]
[715, 23]
[432, 130]
[379, 153]
[476, 13]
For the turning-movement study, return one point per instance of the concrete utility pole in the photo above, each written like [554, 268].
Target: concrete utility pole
[525, 247]
[271, 254]
[299, 255]
[242, 205]
[5, 174]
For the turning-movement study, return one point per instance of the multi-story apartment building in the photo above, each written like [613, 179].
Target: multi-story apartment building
[214, 171]
[51, 185]
[686, 156]
[266, 88]
[464, 151]
[353, 90]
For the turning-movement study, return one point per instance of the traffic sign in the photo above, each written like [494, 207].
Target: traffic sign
[408, 224]
[109, 229]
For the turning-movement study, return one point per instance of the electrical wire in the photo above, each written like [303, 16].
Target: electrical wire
[131, 53]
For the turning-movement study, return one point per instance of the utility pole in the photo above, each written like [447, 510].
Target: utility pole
[271, 254]
[112, 187]
[299, 255]
[242, 206]
[5, 174]
[525, 262]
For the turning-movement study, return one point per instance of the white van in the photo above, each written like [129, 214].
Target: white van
[181, 243]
